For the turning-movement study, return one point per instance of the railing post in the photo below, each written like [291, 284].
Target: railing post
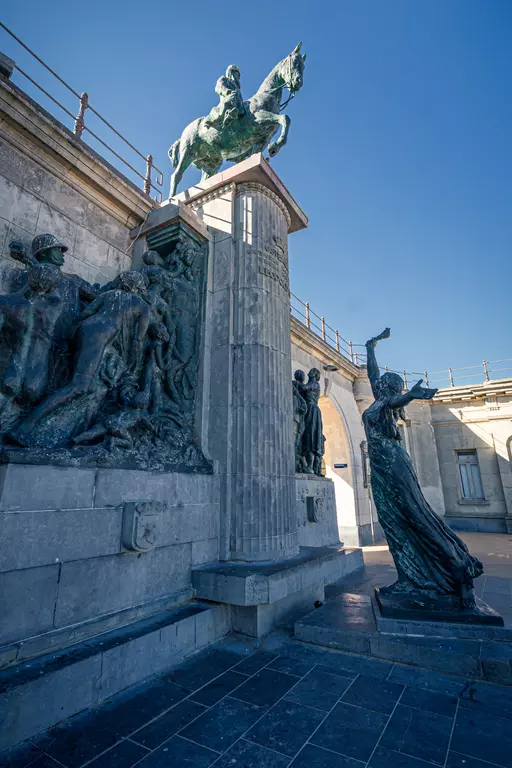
[337, 341]
[425, 374]
[451, 377]
[308, 321]
[486, 372]
[351, 348]
[323, 328]
[79, 120]
[357, 358]
[147, 179]
[405, 379]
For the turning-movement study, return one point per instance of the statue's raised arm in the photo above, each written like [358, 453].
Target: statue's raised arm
[371, 361]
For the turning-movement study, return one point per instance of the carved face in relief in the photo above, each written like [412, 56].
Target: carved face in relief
[52, 256]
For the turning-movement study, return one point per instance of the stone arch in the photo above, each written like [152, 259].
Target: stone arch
[339, 449]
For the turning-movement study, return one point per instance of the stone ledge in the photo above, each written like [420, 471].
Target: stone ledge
[248, 584]
[36, 695]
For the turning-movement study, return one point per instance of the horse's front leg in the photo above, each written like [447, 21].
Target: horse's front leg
[268, 120]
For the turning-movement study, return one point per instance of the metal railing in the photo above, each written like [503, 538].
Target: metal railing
[331, 336]
[302, 311]
[79, 125]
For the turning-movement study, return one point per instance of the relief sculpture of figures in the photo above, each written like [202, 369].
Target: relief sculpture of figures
[309, 438]
[431, 561]
[101, 375]
[234, 129]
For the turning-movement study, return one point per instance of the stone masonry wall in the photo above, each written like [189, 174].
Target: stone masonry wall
[64, 574]
[33, 201]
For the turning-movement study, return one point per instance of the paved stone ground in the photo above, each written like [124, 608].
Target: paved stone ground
[291, 705]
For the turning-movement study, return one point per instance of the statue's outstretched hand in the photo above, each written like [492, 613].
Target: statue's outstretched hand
[422, 393]
[386, 333]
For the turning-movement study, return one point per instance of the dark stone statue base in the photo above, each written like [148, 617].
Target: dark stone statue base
[441, 608]
[187, 461]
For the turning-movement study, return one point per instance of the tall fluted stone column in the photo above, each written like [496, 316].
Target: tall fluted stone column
[250, 214]
[263, 523]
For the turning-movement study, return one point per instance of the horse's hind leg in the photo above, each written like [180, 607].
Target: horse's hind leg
[208, 169]
[183, 164]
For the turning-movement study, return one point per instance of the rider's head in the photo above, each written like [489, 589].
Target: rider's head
[233, 73]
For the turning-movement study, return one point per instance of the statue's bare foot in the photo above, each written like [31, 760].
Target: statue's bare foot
[467, 598]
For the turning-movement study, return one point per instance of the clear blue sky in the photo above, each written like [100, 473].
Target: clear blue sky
[400, 148]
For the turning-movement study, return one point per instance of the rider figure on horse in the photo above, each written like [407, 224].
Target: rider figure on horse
[231, 105]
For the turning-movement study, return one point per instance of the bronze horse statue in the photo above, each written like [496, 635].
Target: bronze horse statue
[208, 141]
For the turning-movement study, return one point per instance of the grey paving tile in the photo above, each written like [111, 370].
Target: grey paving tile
[426, 678]
[483, 735]
[335, 671]
[86, 735]
[373, 693]
[124, 755]
[20, 757]
[351, 731]
[244, 754]
[218, 688]
[431, 701]
[254, 663]
[316, 757]
[418, 733]
[219, 727]
[361, 665]
[387, 758]
[497, 586]
[179, 753]
[455, 760]
[292, 666]
[165, 726]
[203, 667]
[286, 728]
[265, 687]
[320, 690]
[485, 697]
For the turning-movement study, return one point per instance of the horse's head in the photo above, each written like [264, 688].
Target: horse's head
[292, 69]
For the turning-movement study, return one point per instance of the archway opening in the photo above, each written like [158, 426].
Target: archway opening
[337, 463]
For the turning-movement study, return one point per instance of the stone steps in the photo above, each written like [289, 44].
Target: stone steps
[37, 694]
[348, 623]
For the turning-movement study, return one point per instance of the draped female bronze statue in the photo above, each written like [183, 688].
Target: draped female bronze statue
[429, 558]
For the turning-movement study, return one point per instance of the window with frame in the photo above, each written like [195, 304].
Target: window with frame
[469, 475]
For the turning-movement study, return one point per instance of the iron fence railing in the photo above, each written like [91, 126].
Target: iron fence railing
[450, 377]
[79, 124]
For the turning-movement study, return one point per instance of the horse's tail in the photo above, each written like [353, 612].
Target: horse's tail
[173, 152]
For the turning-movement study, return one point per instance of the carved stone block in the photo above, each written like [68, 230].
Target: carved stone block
[142, 521]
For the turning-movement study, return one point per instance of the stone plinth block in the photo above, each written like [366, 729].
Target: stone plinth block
[438, 609]
[316, 511]
[263, 595]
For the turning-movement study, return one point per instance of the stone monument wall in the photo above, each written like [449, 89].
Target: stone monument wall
[50, 181]
[69, 568]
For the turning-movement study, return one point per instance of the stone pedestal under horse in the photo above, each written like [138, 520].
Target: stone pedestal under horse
[207, 145]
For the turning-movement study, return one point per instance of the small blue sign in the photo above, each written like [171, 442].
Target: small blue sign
[340, 466]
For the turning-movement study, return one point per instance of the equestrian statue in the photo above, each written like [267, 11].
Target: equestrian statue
[236, 129]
